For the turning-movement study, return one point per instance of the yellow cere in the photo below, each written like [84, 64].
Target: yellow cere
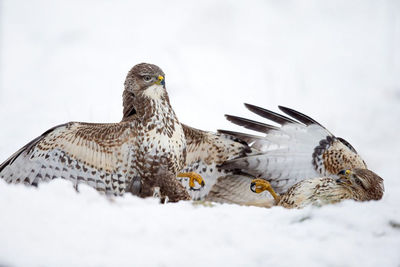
[347, 172]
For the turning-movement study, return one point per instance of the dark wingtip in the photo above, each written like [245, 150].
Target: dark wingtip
[299, 116]
[28, 147]
[270, 115]
[250, 124]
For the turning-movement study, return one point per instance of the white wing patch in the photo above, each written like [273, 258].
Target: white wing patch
[236, 189]
[286, 152]
[285, 156]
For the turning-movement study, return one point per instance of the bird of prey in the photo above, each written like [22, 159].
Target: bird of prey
[139, 155]
[356, 184]
[205, 151]
[302, 161]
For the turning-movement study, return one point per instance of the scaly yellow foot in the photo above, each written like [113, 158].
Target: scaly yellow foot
[192, 177]
[260, 185]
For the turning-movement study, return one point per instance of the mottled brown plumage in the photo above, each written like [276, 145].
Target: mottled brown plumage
[358, 184]
[300, 149]
[143, 152]
[205, 151]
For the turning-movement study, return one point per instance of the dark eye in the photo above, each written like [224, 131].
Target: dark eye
[147, 78]
[358, 181]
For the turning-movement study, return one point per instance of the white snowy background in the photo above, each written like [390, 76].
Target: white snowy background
[337, 61]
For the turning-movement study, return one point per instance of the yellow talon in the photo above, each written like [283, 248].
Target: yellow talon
[192, 177]
[260, 185]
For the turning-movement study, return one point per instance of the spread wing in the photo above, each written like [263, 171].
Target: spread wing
[205, 152]
[235, 188]
[299, 148]
[96, 154]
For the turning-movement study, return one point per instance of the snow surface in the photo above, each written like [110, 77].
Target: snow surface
[337, 61]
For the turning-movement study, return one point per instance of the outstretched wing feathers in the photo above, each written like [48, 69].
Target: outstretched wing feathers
[27, 148]
[250, 124]
[282, 120]
[285, 152]
[212, 148]
[205, 151]
[235, 188]
[248, 138]
[74, 151]
[299, 116]
[268, 114]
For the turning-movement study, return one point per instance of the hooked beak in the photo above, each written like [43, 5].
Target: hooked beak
[160, 80]
[344, 177]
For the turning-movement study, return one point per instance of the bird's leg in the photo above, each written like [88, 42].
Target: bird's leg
[260, 185]
[192, 177]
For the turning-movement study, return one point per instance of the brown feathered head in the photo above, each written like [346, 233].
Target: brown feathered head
[363, 183]
[144, 81]
[142, 76]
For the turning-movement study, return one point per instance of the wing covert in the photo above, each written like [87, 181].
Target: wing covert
[300, 148]
[81, 152]
[205, 152]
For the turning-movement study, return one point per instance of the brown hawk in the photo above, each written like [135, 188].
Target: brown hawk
[356, 184]
[301, 160]
[205, 151]
[140, 154]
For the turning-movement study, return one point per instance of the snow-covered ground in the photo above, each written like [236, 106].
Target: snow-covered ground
[337, 61]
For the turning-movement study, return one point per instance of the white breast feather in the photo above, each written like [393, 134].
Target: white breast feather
[154, 92]
[174, 144]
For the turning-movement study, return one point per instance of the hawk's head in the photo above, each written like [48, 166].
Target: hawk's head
[146, 79]
[363, 183]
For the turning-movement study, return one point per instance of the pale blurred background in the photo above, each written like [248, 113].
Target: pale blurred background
[336, 61]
